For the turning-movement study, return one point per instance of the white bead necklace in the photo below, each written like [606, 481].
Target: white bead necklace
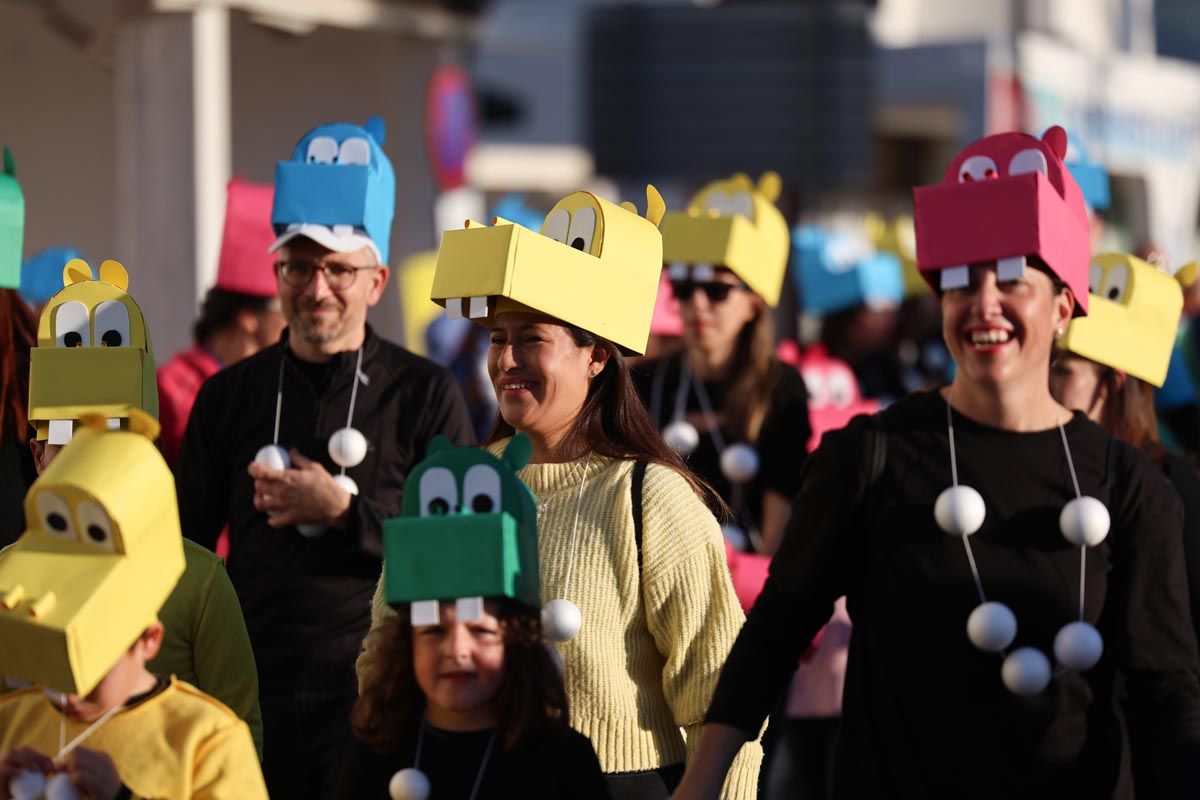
[412, 784]
[30, 785]
[347, 446]
[992, 626]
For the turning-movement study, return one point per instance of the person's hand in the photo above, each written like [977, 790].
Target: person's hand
[23, 759]
[304, 493]
[93, 774]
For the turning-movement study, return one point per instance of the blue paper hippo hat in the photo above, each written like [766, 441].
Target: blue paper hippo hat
[837, 269]
[338, 189]
[1090, 175]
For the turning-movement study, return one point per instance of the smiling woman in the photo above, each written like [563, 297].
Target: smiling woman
[1002, 557]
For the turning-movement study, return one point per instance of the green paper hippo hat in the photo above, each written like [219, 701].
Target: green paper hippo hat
[12, 223]
[467, 530]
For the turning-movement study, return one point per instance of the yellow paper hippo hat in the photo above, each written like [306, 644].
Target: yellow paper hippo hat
[1132, 318]
[101, 552]
[595, 265]
[731, 223]
[93, 355]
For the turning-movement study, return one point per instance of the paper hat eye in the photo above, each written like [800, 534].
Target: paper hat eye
[355, 150]
[71, 325]
[321, 150]
[718, 202]
[977, 168]
[742, 203]
[438, 492]
[481, 489]
[556, 225]
[54, 515]
[841, 389]
[814, 382]
[112, 324]
[1028, 161]
[97, 527]
[583, 229]
[1116, 281]
[1095, 276]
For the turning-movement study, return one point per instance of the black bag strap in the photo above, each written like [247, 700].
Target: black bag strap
[639, 478]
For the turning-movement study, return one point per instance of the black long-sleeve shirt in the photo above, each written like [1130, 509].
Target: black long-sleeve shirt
[307, 601]
[548, 768]
[925, 713]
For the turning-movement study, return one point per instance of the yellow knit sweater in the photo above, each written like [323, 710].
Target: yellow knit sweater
[647, 658]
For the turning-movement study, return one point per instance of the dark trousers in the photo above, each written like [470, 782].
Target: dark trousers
[653, 784]
[305, 734]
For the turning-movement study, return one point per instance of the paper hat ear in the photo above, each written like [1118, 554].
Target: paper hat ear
[732, 223]
[246, 266]
[594, 265]
[93, 354]
[838, 268]
[12, 224]
[1004, 198]
[468, 530]
[101, 554]
[1133, 318]
[340, 178]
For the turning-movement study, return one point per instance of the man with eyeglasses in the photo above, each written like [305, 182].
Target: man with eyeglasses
[304, 551]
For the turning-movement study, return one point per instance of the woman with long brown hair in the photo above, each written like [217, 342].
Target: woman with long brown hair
[18, 334]
[640, 600]
[734, 411]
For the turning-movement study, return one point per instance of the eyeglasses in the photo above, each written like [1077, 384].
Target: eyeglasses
[715, 291]
[298, 273]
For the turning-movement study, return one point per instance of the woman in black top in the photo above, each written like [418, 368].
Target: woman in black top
[926, 712]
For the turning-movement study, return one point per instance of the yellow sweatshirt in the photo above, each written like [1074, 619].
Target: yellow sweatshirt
[648, 656]
[176, 745]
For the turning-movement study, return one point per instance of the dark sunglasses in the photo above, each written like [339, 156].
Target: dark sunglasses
[716, 292]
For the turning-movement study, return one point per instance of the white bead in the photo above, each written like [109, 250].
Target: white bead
[1078, 646]
[27, 785]
[739, 463]
[682, 437]
[561, 620]
[409, 784]
[273, 456]
[347, 447]
[959, 511]
[1084, 522]
[310, 530]
[992, 627]
[347, 483]
[1026, 671]
[59, 787]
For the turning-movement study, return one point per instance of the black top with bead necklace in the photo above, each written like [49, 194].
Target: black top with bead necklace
[926, 713]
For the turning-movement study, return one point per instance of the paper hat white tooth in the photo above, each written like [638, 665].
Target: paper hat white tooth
[468, 609]
[1010, 269]
[739, 463]
[1084, 522]
[425, 612]
[60, 431]
[478, 307]
[454, 307]
[346, 483]
[959, 511]
[992, 627]
[703, 273]
[409, 784]
[113, 423]
[1078, 646]
[682, 437]
[347, 447]
[954, 278]
[1026, 671]
[677, 271]
[561, 620]
[273, 457]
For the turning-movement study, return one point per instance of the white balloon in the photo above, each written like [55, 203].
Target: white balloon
[1078, 645]
[1084, 522]
[992, 627]
[59, 787]
[959, 510]
[273, 456]
[682, 437]
[561, 620]
[739, 463]
[27, 785]
[409, 784]
[347, 483]
[347, 447]
[1026, 671]
[310, 530]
